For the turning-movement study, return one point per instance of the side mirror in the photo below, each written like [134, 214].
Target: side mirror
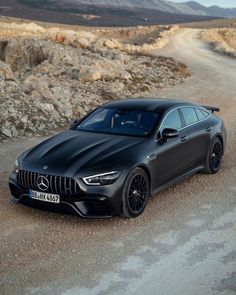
[73, 124]
[169, 133]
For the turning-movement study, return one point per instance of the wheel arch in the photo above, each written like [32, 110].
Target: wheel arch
[220, 137]
[145, 168]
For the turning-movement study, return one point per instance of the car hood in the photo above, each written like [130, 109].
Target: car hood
[72, 151]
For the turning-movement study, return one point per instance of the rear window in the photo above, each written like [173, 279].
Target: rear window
[189, 115]
[202, 114]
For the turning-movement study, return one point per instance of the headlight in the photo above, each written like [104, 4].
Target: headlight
[16, 166]
[102, 179]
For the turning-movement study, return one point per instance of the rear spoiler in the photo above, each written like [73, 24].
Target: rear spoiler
[212, 109]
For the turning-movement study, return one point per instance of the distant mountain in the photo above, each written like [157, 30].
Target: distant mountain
[112, 13]
[212, 10]
[190, 7]
[92, 13]
[161, 5]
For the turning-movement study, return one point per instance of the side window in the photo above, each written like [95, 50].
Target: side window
[172, 121]
[189, 115]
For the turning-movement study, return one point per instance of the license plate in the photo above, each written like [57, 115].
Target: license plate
[45, 197]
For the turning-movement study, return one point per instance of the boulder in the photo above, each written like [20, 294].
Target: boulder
[9, 130]
[111, 70]
[22, 55]
[103, 70]
[6, 132]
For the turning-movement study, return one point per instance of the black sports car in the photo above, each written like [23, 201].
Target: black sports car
[112, 160]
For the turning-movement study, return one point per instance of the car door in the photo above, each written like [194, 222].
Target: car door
[198, 133]
[171, 155]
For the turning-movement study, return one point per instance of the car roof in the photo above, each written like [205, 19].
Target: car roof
[148, 104]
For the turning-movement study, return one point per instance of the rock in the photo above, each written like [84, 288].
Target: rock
[88, 74]
[24, 120]
[60, 38]
[112, 44]
[83, 42]
[67, 59]
[38, 85]
[6, 72]
[47, 108]
[119, 86]
[3, 45]
[80, 39]
[86, 38]
[103, 70]
[14, 132]
[110, 70]
[145, 88]
[6, 132]
[8, 129]
[98, 47]
[22, 56]
[65, 110]
[13, 55]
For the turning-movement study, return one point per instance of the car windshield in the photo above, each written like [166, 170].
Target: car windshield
[120, 121]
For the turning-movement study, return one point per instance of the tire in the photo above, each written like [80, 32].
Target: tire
[136, 192]
[214, 157]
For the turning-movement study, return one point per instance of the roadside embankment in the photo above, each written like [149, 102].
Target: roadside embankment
[221, 40]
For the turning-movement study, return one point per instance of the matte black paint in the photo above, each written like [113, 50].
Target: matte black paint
[77, 154]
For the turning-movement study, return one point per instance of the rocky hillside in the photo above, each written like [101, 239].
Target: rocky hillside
[49, 76]
[221, 40]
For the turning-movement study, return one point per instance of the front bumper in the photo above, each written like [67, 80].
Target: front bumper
[90, 202]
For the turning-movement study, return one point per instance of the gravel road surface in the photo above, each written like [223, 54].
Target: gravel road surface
[183, 244]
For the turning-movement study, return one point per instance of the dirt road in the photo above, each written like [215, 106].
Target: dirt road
[184, 243]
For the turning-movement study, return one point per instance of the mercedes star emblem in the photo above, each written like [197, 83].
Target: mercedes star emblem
[42, 183]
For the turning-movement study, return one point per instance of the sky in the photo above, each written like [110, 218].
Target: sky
[223, 3]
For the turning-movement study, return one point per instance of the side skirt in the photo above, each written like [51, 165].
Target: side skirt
[178, 179]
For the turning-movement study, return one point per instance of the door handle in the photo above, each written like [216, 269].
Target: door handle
[184, 138]
[208, 129]
[152, 156]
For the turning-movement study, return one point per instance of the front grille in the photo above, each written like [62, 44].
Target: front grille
[56, 184]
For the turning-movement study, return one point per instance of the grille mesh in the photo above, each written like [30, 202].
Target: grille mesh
[57, 184]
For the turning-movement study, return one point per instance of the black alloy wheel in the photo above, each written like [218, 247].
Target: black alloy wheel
[136, 193]
[215, 157]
